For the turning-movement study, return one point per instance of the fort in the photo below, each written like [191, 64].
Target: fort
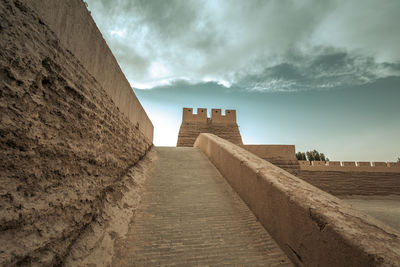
[83, 185]
[338, 178]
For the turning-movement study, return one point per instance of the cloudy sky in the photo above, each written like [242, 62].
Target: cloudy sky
[317, 74]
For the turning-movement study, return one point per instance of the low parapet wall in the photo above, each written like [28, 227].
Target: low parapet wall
[314, 228]
[71, 22]
[349, 166]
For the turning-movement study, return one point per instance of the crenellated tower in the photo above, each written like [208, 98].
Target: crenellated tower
[224, 126]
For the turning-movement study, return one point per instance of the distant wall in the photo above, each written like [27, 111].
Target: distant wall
[313, 227]
[222, 125]
[349, 166]
[317, 163]
[76, 30]
[284, 156]
[351, 178]
[352, 182]
[272, 151]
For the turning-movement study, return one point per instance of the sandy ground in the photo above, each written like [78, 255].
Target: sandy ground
[383, 208]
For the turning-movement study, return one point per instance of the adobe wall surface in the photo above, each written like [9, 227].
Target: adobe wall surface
[71, 22]
[67, 152]
[222, 125]
[228, 118]
[284, 156]
[189, 117]
[272, 151]
[352, 182]
[313, 227]
[361, 178]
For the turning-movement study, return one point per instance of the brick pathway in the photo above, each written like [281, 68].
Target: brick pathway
[189, 216]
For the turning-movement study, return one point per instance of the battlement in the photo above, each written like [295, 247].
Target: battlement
[216, 116]
[200, 117]
[350, 166]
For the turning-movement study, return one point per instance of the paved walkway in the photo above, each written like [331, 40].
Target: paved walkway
[190, 216]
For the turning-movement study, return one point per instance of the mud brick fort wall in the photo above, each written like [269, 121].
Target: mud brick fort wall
[352, 178]
[335, 177]
[75, 29]
[283, 156]
[364, 166]
[70, 129]
[223, 126]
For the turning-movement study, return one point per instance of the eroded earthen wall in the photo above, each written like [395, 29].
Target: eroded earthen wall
[71, 22]
[64, 143]
[223, 126]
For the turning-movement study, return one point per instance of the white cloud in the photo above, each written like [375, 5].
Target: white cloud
[118, 32]
[158, 70]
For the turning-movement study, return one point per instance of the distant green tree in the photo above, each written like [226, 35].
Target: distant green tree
[313, 155]
[398, 159]
[317, 156]
[301, 156]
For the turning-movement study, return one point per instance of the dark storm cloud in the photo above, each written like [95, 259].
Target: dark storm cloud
[258, 45]
[169, 19]
[330, 69]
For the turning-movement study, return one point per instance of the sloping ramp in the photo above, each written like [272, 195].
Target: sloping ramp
[190, 216]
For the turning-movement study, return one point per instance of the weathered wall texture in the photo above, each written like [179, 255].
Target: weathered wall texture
[313, 227]
[223, 126]
[64, 144]
[283, 156]
[76, 30]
